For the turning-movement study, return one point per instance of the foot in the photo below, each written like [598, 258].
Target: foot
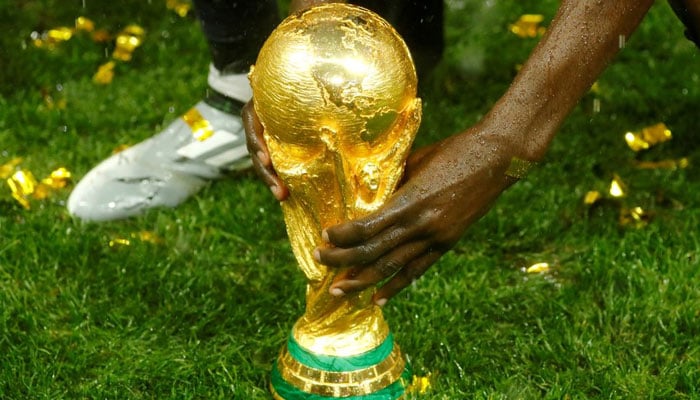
[167, 168]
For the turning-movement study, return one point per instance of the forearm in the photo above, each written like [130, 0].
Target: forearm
[581, 40]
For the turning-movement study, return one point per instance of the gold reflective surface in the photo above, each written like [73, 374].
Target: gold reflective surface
[342, 384]
[648, 137]
[335, 89]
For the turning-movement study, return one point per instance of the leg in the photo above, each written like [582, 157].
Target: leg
[419, 22]
[206, 141]
[236, 30]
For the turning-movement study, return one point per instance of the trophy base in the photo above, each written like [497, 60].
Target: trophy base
[379, 374]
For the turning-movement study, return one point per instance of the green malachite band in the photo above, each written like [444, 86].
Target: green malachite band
[289, 392]
[340, 364]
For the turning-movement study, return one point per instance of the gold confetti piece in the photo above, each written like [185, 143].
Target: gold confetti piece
[592, 197]
[7, 169]
[201, 129]
[528, 26]
[617, 187]
[142, 236]
[84, 24]
[60, 34]
[52, 37]
[538, 268]
[635, 216]
[104, 74]
[148, 237]
[127, 41]
[648, 137]
[119, 242]
[680, 163]
[58, 179]
[22, 184]
[181, 8]
[419, 384]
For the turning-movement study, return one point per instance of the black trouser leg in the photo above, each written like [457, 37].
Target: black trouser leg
[236, 30]
[419, 22]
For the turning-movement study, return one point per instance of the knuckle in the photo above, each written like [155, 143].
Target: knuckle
[362, 228]
[389, 267]
[368, 252]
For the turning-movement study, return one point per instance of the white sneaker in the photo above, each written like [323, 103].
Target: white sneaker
[165, 169]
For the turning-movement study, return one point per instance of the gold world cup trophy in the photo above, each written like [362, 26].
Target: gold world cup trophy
[335, 90]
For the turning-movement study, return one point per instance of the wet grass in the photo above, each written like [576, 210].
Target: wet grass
[202, 312]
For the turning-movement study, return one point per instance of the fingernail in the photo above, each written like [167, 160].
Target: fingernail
[276, 191]
[337, 292]
[324, 235]
[317, 255]
[380, 302]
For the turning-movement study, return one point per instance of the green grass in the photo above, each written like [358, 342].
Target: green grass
[202, 314]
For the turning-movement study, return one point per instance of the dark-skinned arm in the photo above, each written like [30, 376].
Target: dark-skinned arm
[454, 182]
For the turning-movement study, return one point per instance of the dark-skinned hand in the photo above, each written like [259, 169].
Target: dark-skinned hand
[447, 187]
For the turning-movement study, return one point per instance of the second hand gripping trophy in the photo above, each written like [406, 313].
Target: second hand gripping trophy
[335, 90]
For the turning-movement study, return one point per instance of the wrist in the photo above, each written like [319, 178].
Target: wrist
[523, 133]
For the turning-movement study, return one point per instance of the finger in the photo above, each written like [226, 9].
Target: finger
[262, 164]
[273, 182]
[368, 252]
[255, 141]
[362, 229]
[360, 278]
[405, 277]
